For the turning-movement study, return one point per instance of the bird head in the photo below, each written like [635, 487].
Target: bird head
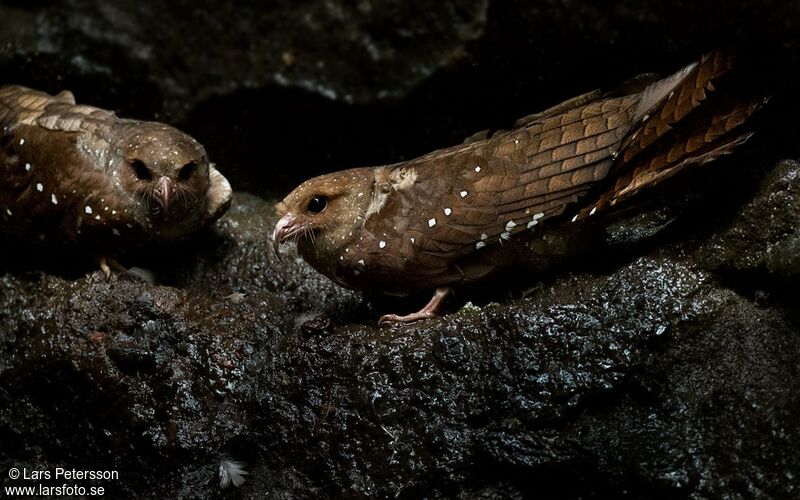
[322, 213]
[166, 171]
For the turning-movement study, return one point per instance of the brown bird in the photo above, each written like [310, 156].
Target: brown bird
[72, 172]
[441, 220]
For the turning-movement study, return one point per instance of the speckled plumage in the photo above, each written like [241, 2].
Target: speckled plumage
[76, 172]
[441, 220]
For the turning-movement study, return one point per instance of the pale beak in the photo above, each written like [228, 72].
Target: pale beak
[164, 192]
[285, 228]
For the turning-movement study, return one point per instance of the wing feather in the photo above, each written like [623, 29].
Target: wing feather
[473, 196]
[24, 106]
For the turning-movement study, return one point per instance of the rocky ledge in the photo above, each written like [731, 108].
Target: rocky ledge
[664, 375]
[665, 365]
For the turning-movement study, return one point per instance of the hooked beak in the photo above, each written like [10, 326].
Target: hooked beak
[164, 193]
[285, 228]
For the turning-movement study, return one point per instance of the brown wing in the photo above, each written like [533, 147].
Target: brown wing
[467, 198]
[52, 167]
[560, 108]
[470, 198]
[481, 194]
[24, 106]
[691, 125]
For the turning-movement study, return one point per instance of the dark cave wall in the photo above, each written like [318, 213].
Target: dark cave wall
[335, 85]
[665, 367]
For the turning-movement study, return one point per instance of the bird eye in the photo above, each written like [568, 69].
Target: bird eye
[140, 170]
[317, 204]
[187, 171]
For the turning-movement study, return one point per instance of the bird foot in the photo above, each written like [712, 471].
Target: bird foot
[107, 264]
[431, 310]
[390, 319]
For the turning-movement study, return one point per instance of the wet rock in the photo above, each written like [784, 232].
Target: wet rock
[667, 366]
[764, 237]
[652, 378]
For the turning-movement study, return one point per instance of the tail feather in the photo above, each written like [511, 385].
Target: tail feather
[650, 177]
[667, 102]
[685, 122]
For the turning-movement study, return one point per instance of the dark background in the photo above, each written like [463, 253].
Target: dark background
[281, 91]
[665, 366]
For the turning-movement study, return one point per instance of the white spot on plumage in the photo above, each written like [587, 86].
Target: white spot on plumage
[505, 235]
[356, 272]
[8, 211]
[575, 218]
[382, 244]
[447, 211]
[413, 241]
[479, 245]
[484, 236]
[21, 142]
[115, 231]
[463, 194]
[510, 225]
[97, 217]
[27, 167]
[87, 209]
[361, 261]
[593, 211]
[532, 223]
[53, 199]
[431, 222]
[113, 212]
[516, 141]
[538, 216]
[39, 187]
[477, 168]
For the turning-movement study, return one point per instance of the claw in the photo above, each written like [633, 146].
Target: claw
[390, 319]
[107, 264]
[431, 310]
[105, 268]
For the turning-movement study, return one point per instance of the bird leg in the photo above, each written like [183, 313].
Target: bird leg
[431, 310]
[107, 264]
